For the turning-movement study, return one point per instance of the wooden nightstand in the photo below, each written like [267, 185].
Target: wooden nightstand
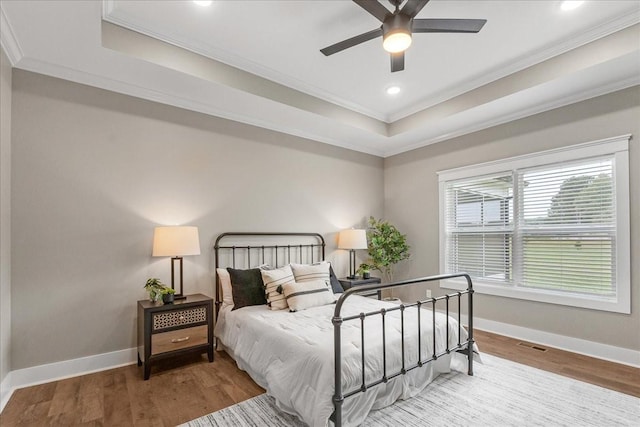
[349, 283]
[170, 330]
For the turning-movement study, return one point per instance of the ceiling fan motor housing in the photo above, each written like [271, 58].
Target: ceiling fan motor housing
[397, 22]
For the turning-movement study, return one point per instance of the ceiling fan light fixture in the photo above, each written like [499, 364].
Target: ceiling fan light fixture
[396, 30]
[397, 41]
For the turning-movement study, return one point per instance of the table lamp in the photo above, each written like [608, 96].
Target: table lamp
[176, 242]
[352, 239]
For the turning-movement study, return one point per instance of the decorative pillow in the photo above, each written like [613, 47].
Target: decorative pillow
[306, 272]
[247, 287]
[335, 283]
[225, 284]
[303, 295]
[274, 280]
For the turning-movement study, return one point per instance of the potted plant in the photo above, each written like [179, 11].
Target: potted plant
[364, 270]
[387, 247]
[167, 295]
[155, 288]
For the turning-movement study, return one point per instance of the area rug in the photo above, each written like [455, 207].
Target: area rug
[501, 393]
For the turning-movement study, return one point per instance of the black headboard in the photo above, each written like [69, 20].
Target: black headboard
[250, 249]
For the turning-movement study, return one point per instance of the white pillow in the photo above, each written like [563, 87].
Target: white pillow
[274, 280]
[225, 284]
[303, 295]
[306, 272]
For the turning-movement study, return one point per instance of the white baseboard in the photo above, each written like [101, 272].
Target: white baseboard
[100, 362]
[5, 391]
[65, 369]
[611, 353]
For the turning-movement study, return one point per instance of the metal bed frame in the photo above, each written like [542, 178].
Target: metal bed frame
[269, 254]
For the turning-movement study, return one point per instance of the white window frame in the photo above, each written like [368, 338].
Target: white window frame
[616, 146]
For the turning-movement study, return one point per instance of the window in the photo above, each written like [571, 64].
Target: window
[550, 227]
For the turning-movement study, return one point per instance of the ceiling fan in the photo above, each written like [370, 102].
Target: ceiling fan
[398, 26]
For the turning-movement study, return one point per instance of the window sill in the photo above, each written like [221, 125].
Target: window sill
[616, 305]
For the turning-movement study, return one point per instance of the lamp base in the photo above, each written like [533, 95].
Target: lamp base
[352, 265]
[178, 295]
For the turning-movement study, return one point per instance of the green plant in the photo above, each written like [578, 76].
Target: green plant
[156, 289]
[387, 247]
[364, 268]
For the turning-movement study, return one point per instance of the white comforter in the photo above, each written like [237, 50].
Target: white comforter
[291, 355]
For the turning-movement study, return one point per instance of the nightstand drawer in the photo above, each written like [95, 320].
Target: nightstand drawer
[179, 339]
[167, 331]
[171, 319]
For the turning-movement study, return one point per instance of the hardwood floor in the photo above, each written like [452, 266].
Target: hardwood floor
[614, 376]
[177, 393]
[174, 394]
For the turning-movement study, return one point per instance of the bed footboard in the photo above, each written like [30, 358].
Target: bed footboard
[465, 347]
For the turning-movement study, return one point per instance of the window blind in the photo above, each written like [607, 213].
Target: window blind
[568, 227]
[549, 228]
[479, 223]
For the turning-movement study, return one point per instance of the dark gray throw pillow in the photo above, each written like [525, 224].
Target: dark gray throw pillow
[335, 283]
[247, 286]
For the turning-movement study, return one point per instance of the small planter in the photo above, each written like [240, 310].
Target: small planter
[158, 291]
[365, 270]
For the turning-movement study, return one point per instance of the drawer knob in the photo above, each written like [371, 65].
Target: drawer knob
[177, 340]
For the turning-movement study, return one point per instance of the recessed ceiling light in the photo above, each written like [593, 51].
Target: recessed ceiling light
[393, 90]
[571, 4]
[203, 2]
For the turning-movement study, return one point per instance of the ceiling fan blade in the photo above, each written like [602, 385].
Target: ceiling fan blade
[345, 44]
[397, 62]
[374, 8]
[413, 7]
[448, 25]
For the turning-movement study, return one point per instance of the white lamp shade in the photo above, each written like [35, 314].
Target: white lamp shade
[352, 239]
[176, 241]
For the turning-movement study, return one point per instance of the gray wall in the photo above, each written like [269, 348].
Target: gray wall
[94, 172]
[5, 215]
[411, 202]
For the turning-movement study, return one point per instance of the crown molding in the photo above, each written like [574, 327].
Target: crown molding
[192, 105]
[520, 114]
[112, 15]
[614, 25]
[8, 40]
[102, 82]
[353, 139]
[108, 6]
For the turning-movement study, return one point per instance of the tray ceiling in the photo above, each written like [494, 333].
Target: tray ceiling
[258, 62]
